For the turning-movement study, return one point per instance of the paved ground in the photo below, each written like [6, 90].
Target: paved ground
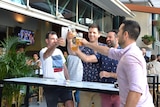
[34, 103]
[43, 104]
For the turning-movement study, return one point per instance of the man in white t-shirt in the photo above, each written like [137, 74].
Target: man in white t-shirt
[53, 65]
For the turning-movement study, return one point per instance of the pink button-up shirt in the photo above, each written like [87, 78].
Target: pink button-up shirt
[132, 74]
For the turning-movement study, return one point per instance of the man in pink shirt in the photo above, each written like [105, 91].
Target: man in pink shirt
[131, 70]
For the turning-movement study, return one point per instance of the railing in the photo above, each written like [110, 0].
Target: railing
[153, 80]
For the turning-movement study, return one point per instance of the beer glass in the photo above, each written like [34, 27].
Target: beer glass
[79, 36]
[74, 46]
[72, 30]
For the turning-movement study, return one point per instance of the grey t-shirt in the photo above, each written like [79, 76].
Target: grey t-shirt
[75, 68]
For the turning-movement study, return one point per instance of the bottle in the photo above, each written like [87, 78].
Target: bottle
[92, 104]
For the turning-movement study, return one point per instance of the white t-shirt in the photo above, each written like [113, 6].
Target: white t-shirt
[53, 65]
[153, 67]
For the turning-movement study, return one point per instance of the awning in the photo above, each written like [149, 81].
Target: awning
[114, 7]
[141, 8]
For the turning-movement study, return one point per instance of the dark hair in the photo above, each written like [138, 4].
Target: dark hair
[132, 27]
[114, 30]
[153, 57]
[36, 54]
[158, 55]
[20, 46]
[50, 32]
[94, 26]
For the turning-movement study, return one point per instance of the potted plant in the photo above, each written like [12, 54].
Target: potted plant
[148, 39]
[12, 65]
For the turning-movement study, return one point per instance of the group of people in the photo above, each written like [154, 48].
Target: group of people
[153, 62]
[117, 60]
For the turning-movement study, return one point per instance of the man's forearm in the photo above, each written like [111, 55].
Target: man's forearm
[49, 52]
[69, 44]
[86, 58]
[101, 49]
[113, 75]
[132, 99]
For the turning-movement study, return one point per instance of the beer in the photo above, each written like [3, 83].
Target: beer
[78, 41]
[79, 36]
[74, 47]
[73, 34]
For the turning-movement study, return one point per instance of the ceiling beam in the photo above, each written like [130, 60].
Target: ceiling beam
[140, 8]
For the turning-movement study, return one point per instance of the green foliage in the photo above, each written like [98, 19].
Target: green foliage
[149, 38]
[13, 65]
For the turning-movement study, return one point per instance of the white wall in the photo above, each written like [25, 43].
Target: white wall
[145, 21]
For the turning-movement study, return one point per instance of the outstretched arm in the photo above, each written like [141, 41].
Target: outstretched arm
[51, 49]
[101, 49]
[49, 52]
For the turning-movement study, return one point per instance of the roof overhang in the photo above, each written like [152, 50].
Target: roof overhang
[114, 7]
[141, 8]
[27, 10]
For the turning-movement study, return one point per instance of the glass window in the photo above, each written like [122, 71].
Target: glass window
[87, 12]
[107, 23]
[48, 6]
[22, 2]
[84, 12]
[68, 9]
[97, 16]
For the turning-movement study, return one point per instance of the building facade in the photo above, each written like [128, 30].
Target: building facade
[39, 16]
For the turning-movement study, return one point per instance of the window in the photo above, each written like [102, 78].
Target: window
[97, 16]
[48, 6]
[84, 12]
[22, 2]
[107, 23]
[68, 9]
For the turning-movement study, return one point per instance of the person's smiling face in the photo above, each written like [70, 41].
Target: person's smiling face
[93, 34]
[111, 39]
